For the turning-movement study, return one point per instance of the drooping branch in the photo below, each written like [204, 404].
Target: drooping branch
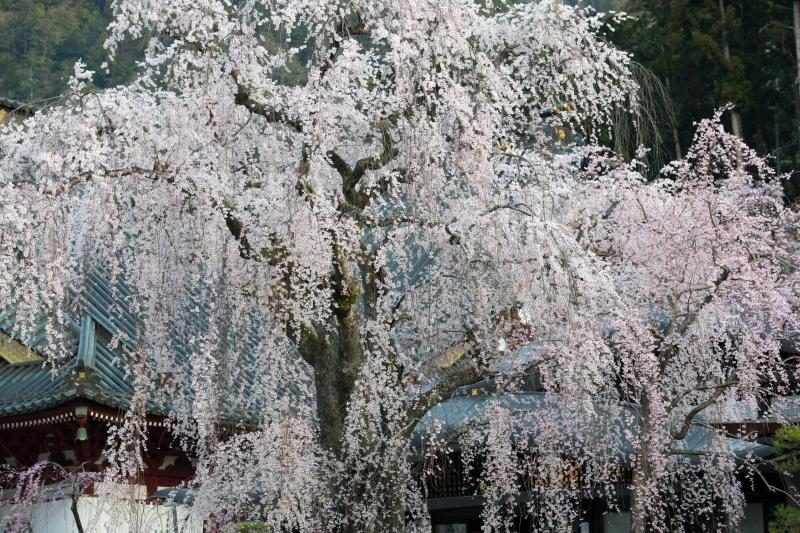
[86, 176]
[234, 225]
[460, 367]
[666, 353]
[323, 59]
[302, 335]
[460, 364]
[691, 317]
[273, 253]
[792, 497]
[374, 163]
[498, 390]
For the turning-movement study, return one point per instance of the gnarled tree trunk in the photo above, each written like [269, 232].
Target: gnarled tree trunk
[336, 352]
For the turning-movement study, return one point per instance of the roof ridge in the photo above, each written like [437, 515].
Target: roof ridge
[15, 105]
[86, 344]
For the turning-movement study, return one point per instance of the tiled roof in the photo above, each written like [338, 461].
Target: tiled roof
[91, 371]
[455, 413]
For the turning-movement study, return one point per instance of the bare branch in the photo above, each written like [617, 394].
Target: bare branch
[691, 317]
[667, 352]
[772, 488]
[244, 98]
[88, 175]
[689, 417]
[352, 177]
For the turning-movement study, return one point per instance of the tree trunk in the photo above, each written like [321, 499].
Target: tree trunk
[796, 16]
[643, 471]
[736, 123]
[338, 362]
[736, 117]
[74, 509]
[676, 139]
[333, 393]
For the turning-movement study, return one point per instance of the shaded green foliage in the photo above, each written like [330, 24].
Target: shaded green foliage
[787, 442]
[786, 518]
[40, 41]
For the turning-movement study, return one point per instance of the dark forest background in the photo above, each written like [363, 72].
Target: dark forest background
[706, 53]
[695, 56]
[40, 41]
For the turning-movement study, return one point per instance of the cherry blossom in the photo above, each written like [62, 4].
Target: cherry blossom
[325, 218]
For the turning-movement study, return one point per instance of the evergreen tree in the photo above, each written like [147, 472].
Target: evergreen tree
[683, 43]
[40, 41]
[787, 442]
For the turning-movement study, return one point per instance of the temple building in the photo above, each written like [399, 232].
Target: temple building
[455, 503]
[63, 416]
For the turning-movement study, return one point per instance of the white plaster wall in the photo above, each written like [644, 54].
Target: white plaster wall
[111, 515]
[617, 523]
[753, 521]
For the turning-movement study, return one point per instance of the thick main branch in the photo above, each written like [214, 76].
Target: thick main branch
[244, 98]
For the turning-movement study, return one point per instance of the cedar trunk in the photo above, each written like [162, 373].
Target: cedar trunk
[796, 20]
